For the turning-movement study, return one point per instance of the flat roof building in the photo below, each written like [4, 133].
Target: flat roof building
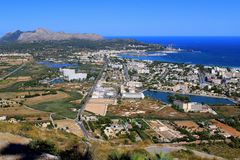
[133, 95]
[70, 74]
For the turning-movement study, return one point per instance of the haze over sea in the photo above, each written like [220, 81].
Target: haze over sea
[213, 51]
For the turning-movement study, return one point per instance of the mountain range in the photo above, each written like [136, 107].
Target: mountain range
[41, 34]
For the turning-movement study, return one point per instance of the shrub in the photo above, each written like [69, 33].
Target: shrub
[26, 127]
[42, 146]
[75, 154]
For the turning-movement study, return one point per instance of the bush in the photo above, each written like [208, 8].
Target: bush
[75, 154]
[39, 118]
[86, 125]
[206, 150]
[26, 127]
[142, 134]
[31, 96]
[155, 139]
[172, 98]
[43, 146]
[132, 136]
[104, 120]
[91, 125]
[19, 118]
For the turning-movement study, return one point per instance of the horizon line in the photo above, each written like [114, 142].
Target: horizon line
[171, 35]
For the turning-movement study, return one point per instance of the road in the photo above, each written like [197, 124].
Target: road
[165, 74]
[9, 74]
[126, 72]
[201, 78]
[51, 119]
[168, 148]
[86, 99]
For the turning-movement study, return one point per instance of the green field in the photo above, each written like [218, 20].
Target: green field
[34, 70]
[61, 108]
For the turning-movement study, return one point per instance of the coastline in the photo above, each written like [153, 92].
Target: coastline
[144, 57]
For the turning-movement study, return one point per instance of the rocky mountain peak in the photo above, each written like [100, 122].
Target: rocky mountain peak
[41, 34]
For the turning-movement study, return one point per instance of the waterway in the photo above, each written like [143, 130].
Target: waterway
[55, 65]
[163, 96]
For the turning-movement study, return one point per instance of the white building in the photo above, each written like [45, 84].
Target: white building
[133, 95]
[3, 118]
[70, 74]
[185, 106]
[193, 107]
[181, 87]
[217, 81]
[142, 71]
[134, 84]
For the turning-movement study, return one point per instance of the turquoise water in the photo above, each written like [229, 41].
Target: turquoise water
[163, 96]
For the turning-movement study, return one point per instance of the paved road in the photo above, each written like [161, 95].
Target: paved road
[51, 119]
[86, 99]
[126, 72]
[9, 74]
[165, 74]
[201, 78]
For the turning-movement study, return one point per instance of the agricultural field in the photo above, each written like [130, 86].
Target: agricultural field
[32, 104]
[26, 113]
[7, 83]
[69, 126]
[16, 95]
[46, 98]
[227, 111]
[145, 108]
[23, 86]
[227, 129]
[98, 106]
[8, 65]
[190, 125]
[27, 78]
[34, 70]
[61, 107]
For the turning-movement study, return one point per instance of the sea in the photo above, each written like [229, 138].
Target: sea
[210, 51]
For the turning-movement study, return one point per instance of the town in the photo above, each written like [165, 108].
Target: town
[103, 97]
[120, 80]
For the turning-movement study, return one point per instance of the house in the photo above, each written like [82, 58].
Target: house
[3, 118]
[90, 118]
[12, 120]
[113, 130]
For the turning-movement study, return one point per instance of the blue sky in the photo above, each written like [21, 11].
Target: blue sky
[124, 17]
